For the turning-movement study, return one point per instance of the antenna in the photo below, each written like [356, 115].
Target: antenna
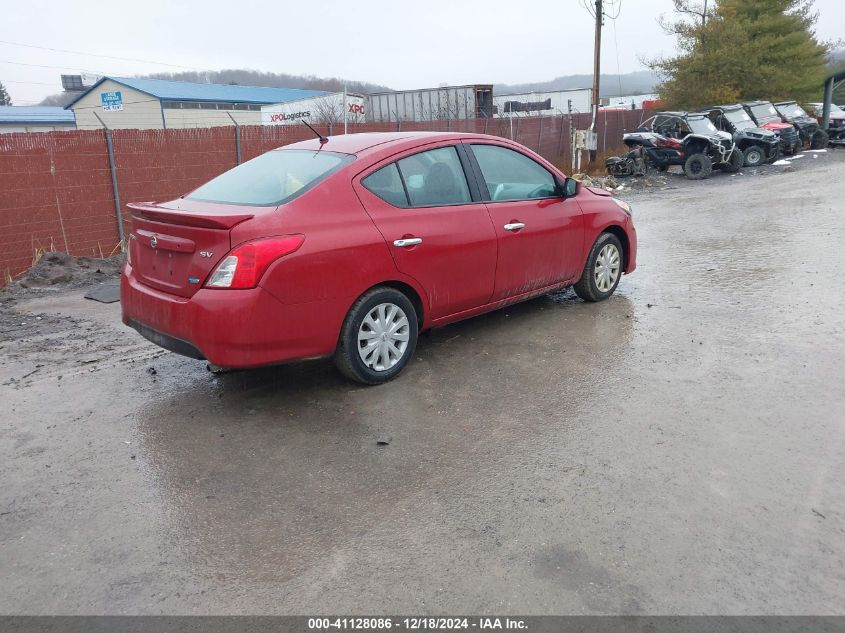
[323, 139]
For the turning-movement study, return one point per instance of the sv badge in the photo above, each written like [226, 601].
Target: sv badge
[206, 254]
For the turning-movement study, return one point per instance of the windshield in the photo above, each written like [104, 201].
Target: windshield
[740, 119]
[702, 125]
[792, 111]
[272, 178]
[765, 112]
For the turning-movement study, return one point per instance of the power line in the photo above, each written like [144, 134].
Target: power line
[84, 70]
[124, 59]
[34, 83]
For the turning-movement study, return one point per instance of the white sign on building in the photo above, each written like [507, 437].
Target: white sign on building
[323, 109]
[111, 101]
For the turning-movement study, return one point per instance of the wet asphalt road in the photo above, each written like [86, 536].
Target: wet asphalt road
[679, 448]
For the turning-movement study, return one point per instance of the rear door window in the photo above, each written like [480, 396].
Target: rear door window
[433, 178]
[387, 185]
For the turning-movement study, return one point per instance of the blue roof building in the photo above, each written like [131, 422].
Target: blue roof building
[35, 119]
[128, 102]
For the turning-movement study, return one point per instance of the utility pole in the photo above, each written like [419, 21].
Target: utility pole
[596, 70]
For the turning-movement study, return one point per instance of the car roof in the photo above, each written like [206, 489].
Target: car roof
[365, 142]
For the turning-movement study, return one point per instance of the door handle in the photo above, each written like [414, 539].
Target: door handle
[408, 241]
[514, 226]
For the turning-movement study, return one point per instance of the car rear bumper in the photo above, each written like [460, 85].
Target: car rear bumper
[230, 328]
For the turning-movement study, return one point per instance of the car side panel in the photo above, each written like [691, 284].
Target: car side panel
[456, 261]
[599, 216]
[342, 256]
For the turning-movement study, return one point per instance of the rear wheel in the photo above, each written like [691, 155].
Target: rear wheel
[698, 167]
[378, 336]
[754, 156]
[603, 269]
[820, 140]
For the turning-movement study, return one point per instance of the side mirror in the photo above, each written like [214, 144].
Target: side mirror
[569, 187]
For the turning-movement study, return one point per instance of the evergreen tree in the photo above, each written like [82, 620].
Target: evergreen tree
[743, 50]
[5, 99]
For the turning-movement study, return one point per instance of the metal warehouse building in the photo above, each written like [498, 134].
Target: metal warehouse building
[123, 102]
[35, 119]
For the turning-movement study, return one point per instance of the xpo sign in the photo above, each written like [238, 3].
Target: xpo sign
[329, 108]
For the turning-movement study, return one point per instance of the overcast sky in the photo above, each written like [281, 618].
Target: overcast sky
[401, 44]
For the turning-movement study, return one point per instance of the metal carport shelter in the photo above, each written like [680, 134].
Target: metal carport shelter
[828, 96]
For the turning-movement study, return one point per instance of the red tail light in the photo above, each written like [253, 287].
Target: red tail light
[247, 263]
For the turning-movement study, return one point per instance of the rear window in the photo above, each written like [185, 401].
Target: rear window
[272, 178]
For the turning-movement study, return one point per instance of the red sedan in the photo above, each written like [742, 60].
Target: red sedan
[351, 247]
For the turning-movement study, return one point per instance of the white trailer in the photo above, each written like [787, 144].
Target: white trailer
[551, 103]
[324, 109]
[431, 104]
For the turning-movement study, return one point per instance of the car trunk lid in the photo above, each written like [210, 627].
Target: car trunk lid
[174, 246]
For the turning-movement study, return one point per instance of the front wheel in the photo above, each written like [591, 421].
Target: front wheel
[378, 336]
[602, 271]
[698, 167]
[754, 156]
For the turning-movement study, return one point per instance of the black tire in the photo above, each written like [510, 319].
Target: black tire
[347, 358]
[586, 287]
[698, 167]
[735, 161]
[754, 156]
[820, 140]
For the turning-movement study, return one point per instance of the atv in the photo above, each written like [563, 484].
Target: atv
[836, 124]
[758, 145]
[681, 138]
[807, 127]
[763, 113]
[647, 149]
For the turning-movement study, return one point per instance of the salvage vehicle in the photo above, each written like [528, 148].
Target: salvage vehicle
[350, 246]
[758, 145]
[647, 150]
[764, 114]
[836, 124]
[679, 138]
[808, 128]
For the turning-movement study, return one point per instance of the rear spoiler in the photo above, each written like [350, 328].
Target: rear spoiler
[155, 213]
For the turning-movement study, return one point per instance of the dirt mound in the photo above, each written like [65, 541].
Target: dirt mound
[61, 269]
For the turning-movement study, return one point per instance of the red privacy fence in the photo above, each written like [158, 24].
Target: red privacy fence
[57, 192]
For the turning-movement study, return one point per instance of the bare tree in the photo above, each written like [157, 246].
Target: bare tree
[689, 14]
[328, 110]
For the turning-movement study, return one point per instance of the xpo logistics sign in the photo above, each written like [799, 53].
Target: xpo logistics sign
[315, 110]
